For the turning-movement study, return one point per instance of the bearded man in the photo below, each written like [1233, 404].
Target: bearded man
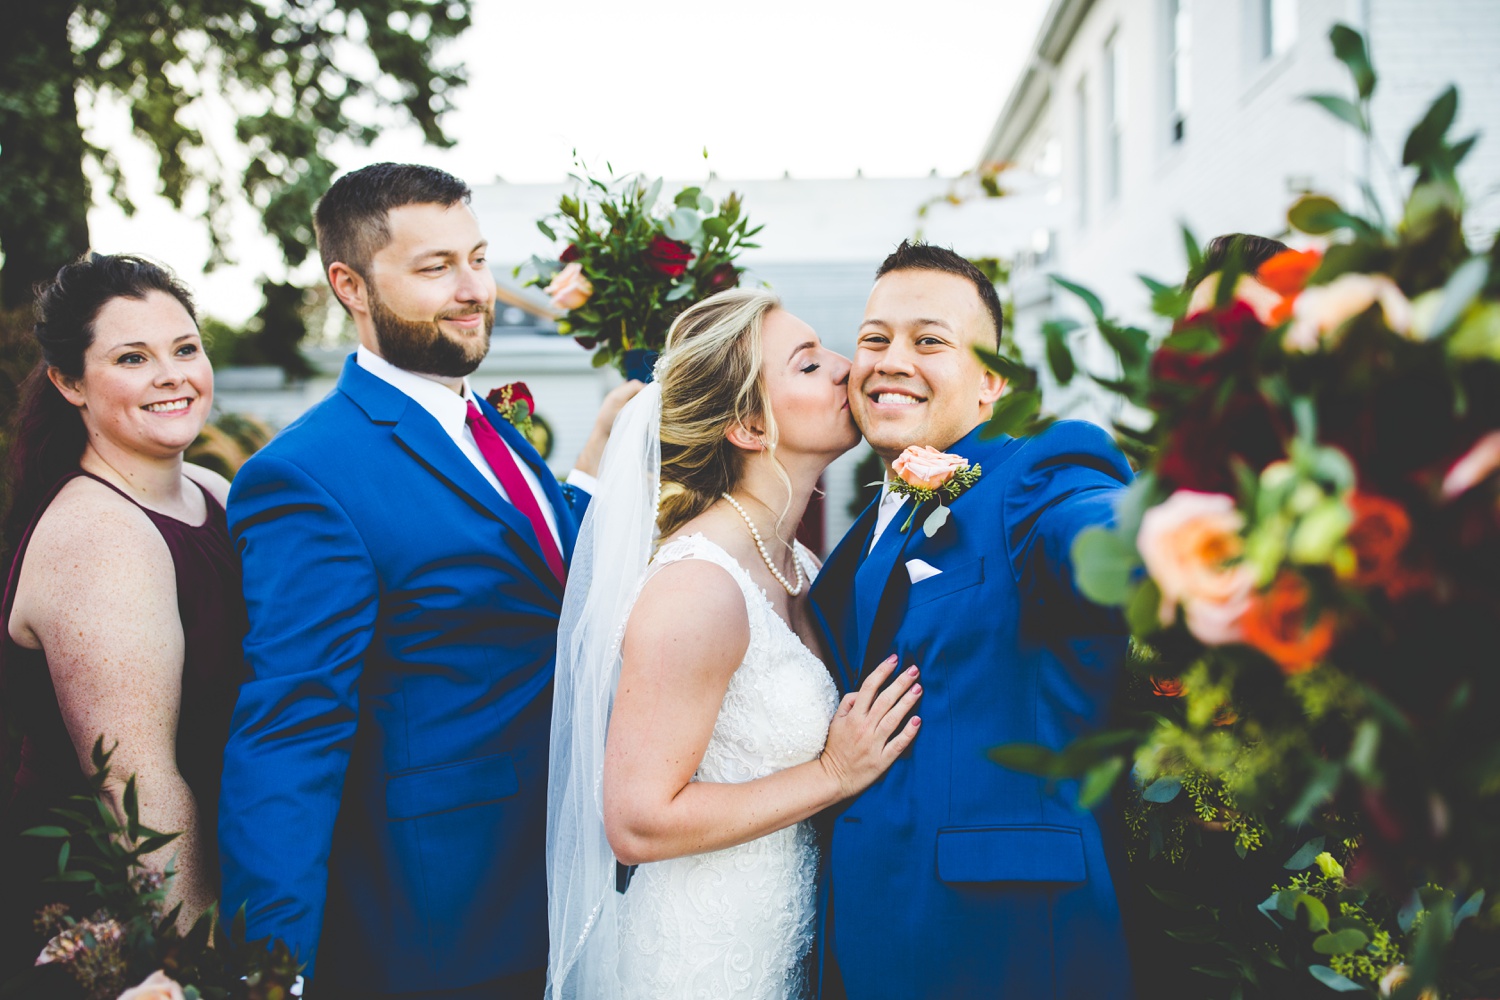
[404, 551]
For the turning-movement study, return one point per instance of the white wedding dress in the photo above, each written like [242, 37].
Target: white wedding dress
[737, 924]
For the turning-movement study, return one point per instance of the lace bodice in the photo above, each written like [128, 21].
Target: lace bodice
[737, 923]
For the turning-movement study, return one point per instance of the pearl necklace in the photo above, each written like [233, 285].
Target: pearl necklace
[766, 556]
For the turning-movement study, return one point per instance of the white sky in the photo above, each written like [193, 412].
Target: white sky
[817, 88]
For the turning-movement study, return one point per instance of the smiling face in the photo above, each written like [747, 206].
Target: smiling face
[429, 300]
[807, 386]
[915, 379]
[147, 386]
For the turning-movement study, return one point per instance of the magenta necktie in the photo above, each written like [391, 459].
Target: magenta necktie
[503, 463]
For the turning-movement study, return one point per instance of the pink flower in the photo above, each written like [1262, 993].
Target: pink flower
[157, 986]
[1189, 544]
[1475, 467]
[927, 468]
[570, 289]
[1322, 309]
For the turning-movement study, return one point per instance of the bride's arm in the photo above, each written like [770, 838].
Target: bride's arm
[686, 636]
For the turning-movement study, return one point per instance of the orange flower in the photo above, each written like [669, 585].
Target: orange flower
[1277, 625]
[1225, 715]
[1167, 687]
[1286, 274]
[1379, 533]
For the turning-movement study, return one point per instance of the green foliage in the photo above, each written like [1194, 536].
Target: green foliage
[297, 78]
[102, 842]
[616, 230]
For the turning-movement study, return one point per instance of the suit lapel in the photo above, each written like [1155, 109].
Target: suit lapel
[567, 524]
[877, 590]
[420, 435]
[833, 597]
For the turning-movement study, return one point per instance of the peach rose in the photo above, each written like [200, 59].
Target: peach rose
[1475, 467]
[1395, 976]
[1322, 309]
[570, 289]
[157, 986]
[1189, 544]
[927, 468]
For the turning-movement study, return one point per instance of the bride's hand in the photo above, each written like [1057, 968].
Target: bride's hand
[860, 745]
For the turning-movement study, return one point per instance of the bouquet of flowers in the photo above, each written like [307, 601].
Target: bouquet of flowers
[1309, 564]
[631, 265]
[128, 946]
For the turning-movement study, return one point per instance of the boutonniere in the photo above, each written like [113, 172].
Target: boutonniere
[927, 474]
[515, 404]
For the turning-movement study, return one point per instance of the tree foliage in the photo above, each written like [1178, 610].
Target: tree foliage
[296, 74]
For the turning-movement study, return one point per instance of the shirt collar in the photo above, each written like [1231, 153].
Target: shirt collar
[447, 407]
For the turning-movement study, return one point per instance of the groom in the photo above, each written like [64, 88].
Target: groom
[404, 550]
[952, 876]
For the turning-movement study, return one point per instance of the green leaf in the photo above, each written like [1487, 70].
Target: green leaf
[935, 521]
[1098, 781]
[1163, 789]
[1344, 942]
[1088, 298]
[46, 831]
[62, 856]
[1176, 900]
[72, 875]
[1166, 300]
[717, 228]
[1303, 858]
[687, 197]
[652, 193]
[1011, 371]
[546, 229]
[1104, 566]
[1193, 249]
[1059, 357]
[1315, 214]
[1349, 48]
[1028, 758]
[1333, 980]
[1469, 909]
[1427, 137]
[1143, 613]
[682, 225]
[705, 204]
[679, 291]
[132, 809]
[1340, 108]
[1460, 292]
[1011, 413]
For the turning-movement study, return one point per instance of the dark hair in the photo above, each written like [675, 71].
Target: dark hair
[49, 434]
[1247, 252]
[352, 218]
[919, 256]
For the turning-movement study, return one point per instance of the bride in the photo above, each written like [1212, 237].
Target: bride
[695, 729]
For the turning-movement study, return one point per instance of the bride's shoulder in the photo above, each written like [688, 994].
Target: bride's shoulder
[691, 601]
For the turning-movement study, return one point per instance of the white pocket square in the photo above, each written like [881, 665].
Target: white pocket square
[919, 570]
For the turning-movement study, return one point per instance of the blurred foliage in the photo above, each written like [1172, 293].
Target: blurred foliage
[297, 77]
[225, 444]
[273, 335]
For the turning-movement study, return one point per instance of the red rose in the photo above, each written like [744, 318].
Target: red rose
[669, 256]
[509, 395]
[570, 254]
[724, 276]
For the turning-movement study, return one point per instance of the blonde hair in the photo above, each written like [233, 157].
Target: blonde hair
[711, 380]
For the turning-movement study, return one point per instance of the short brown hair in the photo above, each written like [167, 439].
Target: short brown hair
[352, 219]
[919, 256]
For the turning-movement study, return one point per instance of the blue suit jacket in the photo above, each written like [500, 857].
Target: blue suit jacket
[384, 796]
[952, 876]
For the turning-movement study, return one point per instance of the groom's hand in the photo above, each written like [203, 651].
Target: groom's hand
[862, 739]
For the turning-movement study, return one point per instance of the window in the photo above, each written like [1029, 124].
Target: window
[1081, 109]
[1278, 26]
[1114, 106]
[1179, 80]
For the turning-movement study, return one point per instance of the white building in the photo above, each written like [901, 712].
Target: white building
[1140, 115]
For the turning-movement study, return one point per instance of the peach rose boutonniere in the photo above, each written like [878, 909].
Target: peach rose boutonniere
[157, 986]
[927, 474]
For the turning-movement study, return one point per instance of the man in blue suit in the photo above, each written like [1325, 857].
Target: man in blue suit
[954, 877]
[384, 795]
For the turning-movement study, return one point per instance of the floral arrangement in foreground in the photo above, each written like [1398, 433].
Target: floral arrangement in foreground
[632, 264]
[1309, 563]
[129, 946]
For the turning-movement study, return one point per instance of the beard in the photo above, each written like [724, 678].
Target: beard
[422, 346]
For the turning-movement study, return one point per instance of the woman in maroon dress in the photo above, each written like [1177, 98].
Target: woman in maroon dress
[122, 603]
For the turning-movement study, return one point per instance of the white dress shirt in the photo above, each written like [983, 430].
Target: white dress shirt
[451, 411]
[890, 503]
